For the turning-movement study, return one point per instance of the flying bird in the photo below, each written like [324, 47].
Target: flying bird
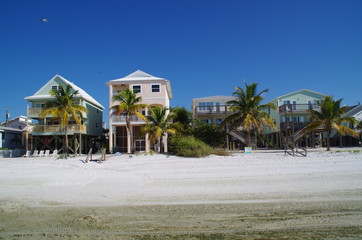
[43, 20]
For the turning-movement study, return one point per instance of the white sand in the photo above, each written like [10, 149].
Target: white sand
[160, 179]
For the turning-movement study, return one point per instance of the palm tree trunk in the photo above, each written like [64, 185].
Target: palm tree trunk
[129, 131]
[159, 144]
[328, 140]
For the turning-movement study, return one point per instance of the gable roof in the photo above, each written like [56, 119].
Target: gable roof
[301, 90]
[140, 75]
[81, 93]
[353, 110]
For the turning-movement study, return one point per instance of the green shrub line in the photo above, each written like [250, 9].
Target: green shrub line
[189, 146]
[350, 151]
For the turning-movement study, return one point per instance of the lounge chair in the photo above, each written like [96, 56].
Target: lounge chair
[41, 153]
[55, 153]
[35, 153]
[47, 152]
[27, 154]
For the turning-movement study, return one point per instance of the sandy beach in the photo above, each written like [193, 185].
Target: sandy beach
[263, 195]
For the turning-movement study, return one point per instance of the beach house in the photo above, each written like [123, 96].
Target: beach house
[48, 134]
[211, 110]
[154, 91]
[293, 114]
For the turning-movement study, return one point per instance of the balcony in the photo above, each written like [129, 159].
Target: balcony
[34, 111]
[211, 110]
[298, 108]
[122, 119]
[59, 128]
[290, 125]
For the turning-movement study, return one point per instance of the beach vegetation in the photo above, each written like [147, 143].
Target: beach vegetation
[158, 123]
[211, 134]
[330, 117]
[64, 109]
[128, 104]
[248, 114]
[189, 146]
[183, 117]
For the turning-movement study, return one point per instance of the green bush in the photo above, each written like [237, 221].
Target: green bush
[188, 146]
[221, 152]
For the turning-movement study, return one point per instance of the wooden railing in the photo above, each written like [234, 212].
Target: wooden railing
[298, 108]
[35, 111]
[59, 128]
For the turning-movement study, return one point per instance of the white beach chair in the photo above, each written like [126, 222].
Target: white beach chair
[41, 153]
[55, 153]
[47, 152]
[27, 154]
[35, 153]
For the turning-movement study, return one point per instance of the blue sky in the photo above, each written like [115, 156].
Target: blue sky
[204, 48]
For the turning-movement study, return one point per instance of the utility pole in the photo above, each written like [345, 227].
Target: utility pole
[7, 117]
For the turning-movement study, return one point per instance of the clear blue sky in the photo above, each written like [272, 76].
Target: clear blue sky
[204, 48]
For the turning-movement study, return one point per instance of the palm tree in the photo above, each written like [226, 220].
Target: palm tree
[158, 124]
[247, 110]
[183, 117]
[64, 109]
[128, 104]
[330, 117]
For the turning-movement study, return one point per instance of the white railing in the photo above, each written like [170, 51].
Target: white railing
[122, 119]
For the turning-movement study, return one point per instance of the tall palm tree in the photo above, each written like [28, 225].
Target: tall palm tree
[330, 117]
[64, 109]
[128, 104]
[158, 124]
[247, 110]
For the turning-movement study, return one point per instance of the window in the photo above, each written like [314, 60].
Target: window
[56, 88]
[155, 87]
[205, 106]
[136, 88]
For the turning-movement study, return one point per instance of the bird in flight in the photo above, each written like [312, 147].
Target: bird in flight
[43, 20]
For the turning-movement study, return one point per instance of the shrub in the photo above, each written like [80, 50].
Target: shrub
[212, 135]
[188, 146]
[221, 152]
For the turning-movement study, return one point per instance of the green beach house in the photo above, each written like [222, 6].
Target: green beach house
[48, 134]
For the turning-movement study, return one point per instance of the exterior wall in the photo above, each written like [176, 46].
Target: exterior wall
[7, 138]
[94, 122]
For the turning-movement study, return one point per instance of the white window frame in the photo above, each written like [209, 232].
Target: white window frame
[134, 85]
[159, 87]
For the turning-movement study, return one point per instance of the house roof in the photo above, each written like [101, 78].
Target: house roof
[140, 75]
[81, 93]
[9, 129]
[353, 110]
[292, 93]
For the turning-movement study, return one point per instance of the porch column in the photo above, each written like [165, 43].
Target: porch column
[165, 146]
[110, 138]
[110, 119]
